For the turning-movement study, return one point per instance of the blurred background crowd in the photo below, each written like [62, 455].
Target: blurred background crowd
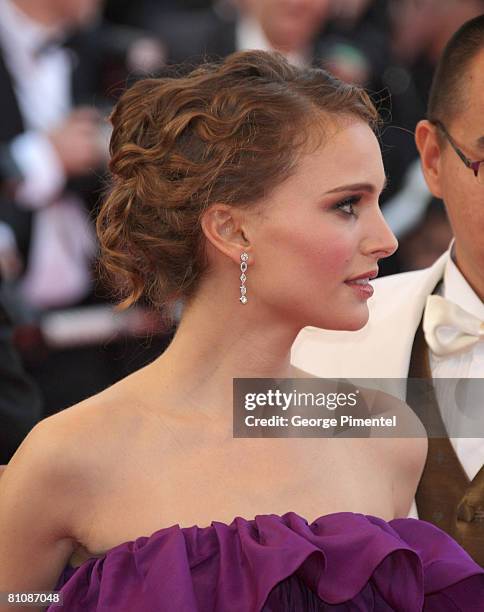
[63, 64]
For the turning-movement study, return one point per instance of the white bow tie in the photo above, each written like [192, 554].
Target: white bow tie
[448, 328]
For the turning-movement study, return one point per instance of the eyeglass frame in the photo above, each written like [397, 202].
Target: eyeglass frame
[473, 165]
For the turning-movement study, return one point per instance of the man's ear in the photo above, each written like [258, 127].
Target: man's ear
[428, 145]
[224, 228]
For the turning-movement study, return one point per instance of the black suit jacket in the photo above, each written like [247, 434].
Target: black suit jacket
[20, 403]
[12, 125]
[97, 53]
[20, 400]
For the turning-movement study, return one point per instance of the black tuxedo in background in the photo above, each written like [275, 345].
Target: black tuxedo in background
[68, 376]
[20, 403]
[90, 58]
[11, 125]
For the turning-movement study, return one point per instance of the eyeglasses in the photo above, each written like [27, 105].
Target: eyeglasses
[476, 166]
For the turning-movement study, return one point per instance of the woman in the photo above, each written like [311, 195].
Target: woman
[252, 161]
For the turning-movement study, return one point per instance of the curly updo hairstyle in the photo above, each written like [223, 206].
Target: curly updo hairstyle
[227, 132]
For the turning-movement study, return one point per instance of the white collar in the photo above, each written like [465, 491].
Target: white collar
[21, 33]
[250, 35]
[457, 289]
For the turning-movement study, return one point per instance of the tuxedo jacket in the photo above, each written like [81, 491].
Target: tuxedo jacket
[20, 399]
[20, 402]
[94, 52]
[382, 349]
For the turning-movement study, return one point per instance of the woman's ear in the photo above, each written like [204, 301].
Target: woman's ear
[429, 147]
[223, 227]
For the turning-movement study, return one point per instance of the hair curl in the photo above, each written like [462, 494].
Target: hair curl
[227, 132]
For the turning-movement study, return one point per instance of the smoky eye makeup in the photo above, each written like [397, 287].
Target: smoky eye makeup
[346, 205]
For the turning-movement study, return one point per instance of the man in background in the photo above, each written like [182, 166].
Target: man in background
[57, 61]
[20, 402]
[291, 27]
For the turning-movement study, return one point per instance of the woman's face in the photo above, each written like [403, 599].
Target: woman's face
[320, 230]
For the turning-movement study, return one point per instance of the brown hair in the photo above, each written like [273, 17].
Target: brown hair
[227, 132]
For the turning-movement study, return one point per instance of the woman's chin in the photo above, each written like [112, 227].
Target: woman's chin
[352, 322]
[355, 325]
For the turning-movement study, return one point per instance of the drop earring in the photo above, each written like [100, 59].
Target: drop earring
[243, 268]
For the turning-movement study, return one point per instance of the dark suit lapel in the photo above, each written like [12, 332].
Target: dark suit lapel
[222, 42]
[19, 219]
[12, 123]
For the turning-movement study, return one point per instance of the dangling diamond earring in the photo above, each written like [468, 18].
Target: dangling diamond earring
[243, 268]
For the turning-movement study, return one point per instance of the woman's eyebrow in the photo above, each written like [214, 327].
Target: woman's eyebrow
[369, 187]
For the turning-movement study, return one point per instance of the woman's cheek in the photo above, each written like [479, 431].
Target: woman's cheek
[337, 256]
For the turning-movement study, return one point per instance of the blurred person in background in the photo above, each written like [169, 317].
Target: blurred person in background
[357, 45]
[50, 141]
[429, 323]
[289, 26]
[20, 402]
[141, 13]
[53, 150]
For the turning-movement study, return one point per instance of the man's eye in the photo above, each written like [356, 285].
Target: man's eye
[347, 205]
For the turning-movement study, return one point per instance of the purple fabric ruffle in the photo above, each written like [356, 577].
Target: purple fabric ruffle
[350, 562]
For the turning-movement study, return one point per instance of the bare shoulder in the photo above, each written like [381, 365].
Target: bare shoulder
[49, 488]
[102, 429]
[89, 431]
[51, 449]
[298, 373]
[38, 508]
[406, 431]
[71, 444]
[57, 454]
[404, 446]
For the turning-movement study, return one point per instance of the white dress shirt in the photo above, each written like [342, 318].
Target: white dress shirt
[469, 364]
[63, 242]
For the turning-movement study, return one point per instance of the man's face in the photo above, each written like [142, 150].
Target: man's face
[289, 24]
[460, 190]
[76, 13]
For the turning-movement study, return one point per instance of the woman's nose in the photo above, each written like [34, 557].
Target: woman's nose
[382, 241]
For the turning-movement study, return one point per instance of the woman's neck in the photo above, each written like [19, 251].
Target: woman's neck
[214, 344]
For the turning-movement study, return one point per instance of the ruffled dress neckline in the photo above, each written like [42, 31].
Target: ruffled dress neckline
[344, 561]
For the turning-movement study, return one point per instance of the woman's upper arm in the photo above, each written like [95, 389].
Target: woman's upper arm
[36, 511]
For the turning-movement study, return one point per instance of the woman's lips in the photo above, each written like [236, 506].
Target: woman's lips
[361, 286]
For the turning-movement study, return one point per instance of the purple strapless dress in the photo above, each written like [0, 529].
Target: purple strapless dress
[340, 562]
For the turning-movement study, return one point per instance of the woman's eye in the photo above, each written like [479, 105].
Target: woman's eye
[347, 205]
